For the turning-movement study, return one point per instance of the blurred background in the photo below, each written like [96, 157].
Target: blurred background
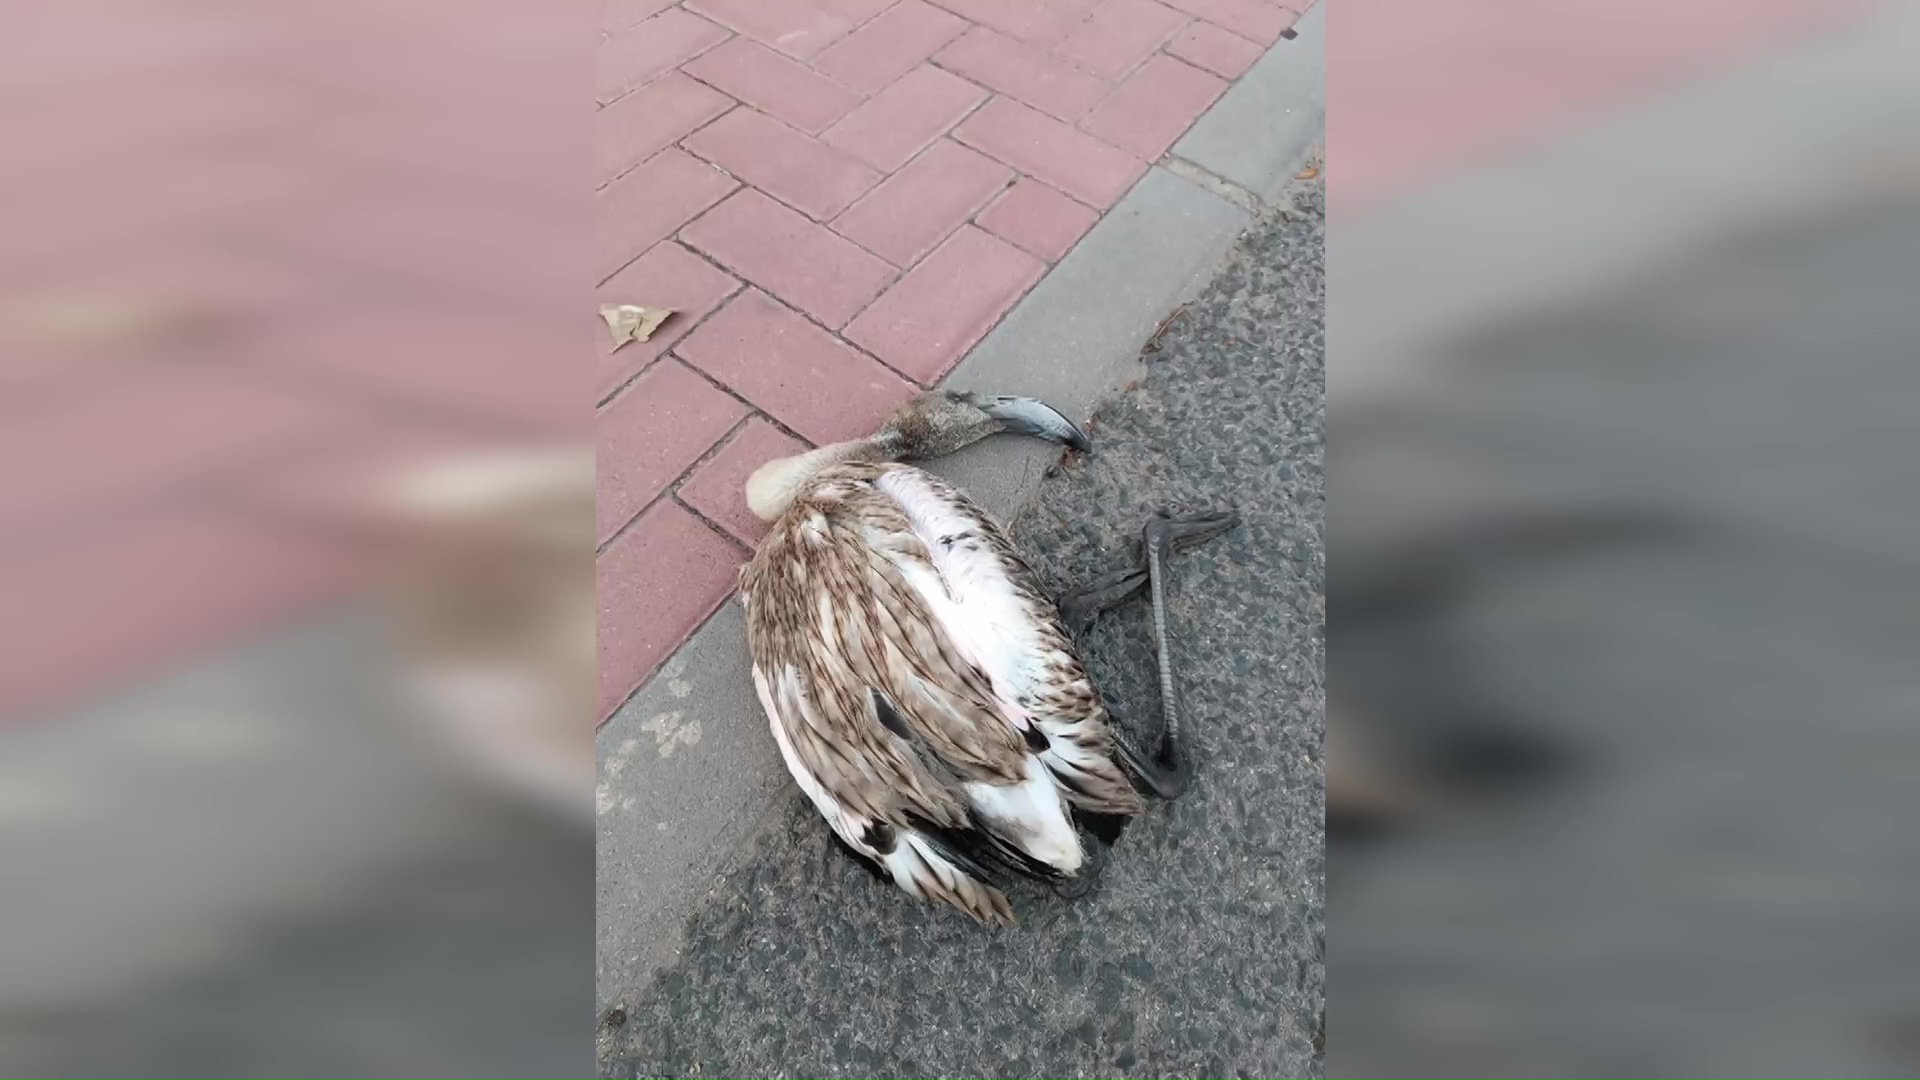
[1625, 416]
[295, 473]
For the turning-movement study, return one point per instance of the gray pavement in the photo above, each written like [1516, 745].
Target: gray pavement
[1202, 950]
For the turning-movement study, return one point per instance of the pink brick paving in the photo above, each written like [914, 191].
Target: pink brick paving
[191, 535]
[840, 198]
[896, 174]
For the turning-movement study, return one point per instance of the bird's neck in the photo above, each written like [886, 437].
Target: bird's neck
[774, 486]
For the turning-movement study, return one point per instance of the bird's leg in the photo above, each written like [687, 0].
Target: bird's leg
[1081, 607]
[1167, 770]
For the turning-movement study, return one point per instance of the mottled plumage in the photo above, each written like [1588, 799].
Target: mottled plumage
[920, 684]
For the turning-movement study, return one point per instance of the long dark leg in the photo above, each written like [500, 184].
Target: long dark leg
[1080, 608]
[1165, 770]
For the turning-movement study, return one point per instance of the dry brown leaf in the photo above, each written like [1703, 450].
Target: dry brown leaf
[1308, 173]
[631, 322]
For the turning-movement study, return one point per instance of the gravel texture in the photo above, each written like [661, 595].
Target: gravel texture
[1202, 950]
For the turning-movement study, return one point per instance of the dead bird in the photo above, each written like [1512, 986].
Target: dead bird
[922, 687]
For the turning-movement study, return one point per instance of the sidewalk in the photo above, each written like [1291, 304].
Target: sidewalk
[840, 198]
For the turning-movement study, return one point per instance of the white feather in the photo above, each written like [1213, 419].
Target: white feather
[773, 486]
[969, 592]
[914, 863]
[1033, 815]
[992, 624]
[913, 858]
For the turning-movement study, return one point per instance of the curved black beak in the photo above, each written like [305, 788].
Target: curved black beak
[1031, 416]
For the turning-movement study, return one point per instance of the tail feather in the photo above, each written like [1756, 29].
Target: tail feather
[989, 855]
[1089, 777]
[1029, 817]
[932, 870]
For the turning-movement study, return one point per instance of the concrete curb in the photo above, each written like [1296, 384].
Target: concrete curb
[688, 775]
[1283, 99]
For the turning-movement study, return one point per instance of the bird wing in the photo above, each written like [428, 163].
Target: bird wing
[907, 848]
[849, 620]
[884, 722]
[986, 597]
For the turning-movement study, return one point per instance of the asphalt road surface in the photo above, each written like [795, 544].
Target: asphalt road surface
[1202, 950]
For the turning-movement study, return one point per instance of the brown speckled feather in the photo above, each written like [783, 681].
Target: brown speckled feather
[1058, 695]
[841, 600]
